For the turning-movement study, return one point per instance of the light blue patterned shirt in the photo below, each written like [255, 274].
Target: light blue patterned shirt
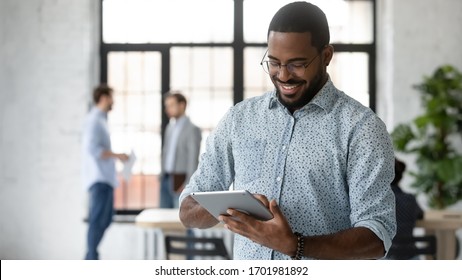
[95, 141]
[329, 165]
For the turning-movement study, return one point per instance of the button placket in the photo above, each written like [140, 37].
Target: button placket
[281, 161]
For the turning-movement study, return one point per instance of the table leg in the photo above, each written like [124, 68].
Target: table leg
[158, 244]
[446, 244]
[155, 246]
[145, 243]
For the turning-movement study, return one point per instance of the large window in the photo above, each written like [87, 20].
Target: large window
[210, 50]
[168, 21]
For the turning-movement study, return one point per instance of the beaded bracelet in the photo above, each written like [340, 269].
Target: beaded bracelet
[300, 246]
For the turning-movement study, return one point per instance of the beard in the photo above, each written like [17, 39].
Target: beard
[315, 85]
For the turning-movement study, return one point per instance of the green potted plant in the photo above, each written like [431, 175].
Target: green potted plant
[430, 137]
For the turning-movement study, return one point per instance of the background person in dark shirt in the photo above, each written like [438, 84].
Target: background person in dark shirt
[407, 211]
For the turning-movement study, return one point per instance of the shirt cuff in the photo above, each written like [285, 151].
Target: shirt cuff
[185, 193]
[379, 230]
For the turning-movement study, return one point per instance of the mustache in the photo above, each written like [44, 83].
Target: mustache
[289, 82]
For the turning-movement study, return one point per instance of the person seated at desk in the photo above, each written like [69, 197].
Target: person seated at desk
[407, 212]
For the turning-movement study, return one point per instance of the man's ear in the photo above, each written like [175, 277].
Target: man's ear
[183, 106]
[327, 54]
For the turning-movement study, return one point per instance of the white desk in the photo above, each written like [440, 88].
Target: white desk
[167, 219]
[157, 221]
[442, 224]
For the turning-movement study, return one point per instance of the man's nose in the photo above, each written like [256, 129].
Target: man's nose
[283, 74]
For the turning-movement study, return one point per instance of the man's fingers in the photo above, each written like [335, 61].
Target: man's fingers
[237, 220]
[236, 214]
[274, 208]
[263, 199]
[239, 223]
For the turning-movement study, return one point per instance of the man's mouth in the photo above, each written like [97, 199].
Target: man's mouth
[289, 89]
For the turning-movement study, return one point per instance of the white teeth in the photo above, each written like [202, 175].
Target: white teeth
[290, 87]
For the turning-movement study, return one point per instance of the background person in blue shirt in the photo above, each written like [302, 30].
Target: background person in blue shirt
[99, 173]
[319, 160]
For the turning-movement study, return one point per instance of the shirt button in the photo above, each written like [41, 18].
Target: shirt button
[283, 147]
[278, 179]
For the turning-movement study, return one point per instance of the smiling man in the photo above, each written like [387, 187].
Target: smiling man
[319, 160]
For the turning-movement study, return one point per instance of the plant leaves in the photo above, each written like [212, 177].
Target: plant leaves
[401, 136]
[450, 170]
[439, 172]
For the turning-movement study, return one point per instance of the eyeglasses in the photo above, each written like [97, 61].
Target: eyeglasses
[296, 69]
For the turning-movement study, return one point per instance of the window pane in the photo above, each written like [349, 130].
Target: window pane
[256, 81]
[349, 72]
[136, 115]
[135, 123]
[204, 75]
[349, 21]
[142, 193]
[179, 21]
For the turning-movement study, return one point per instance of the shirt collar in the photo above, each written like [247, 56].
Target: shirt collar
[273, 99]
[180, 121]
[325, 98]
[98, 112]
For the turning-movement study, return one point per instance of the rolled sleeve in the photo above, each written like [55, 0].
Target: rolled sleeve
[378, 229]
[370, 172]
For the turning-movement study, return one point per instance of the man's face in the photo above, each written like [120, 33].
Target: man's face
[173, 108]
[295, 91]
[107, 102]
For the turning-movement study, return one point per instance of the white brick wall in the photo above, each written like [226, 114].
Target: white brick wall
[414, 38]
[48, 54]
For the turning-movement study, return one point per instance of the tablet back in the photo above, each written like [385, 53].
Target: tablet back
[218, 202]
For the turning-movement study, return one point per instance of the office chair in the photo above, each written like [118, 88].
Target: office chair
[404, 248]
[190, 247]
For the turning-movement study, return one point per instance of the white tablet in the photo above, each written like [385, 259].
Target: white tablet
[218, 202]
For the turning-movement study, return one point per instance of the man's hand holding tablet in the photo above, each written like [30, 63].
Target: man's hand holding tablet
[217, 203]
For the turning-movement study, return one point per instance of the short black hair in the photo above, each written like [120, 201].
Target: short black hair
[101, 90]
[400, 167]
[302, 17]
[179, 97]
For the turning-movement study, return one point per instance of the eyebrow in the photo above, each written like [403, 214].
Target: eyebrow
[290, 60]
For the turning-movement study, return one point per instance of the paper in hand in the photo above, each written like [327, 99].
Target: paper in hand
[128, 165]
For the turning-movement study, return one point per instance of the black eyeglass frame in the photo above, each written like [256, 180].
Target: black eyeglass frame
[292, 72]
